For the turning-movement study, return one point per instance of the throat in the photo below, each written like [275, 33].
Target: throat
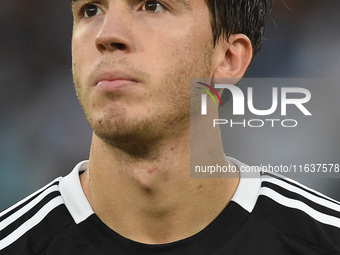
[140, 198]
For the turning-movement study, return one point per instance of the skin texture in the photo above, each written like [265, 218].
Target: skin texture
[138, 178]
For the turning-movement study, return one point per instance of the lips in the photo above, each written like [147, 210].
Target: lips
[115, 81]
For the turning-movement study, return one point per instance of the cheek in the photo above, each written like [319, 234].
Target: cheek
[84, 52]
[190, 57]
[80, 56]
[189, 47]
[82, 60]
[77, 61]
[78, 70]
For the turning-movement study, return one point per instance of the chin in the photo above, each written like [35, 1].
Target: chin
[124, 132]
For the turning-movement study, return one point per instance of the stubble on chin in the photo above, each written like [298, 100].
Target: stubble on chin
[119, 129]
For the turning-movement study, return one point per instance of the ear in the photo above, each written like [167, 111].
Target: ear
[232, 57]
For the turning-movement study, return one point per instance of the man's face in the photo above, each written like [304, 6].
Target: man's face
[132, 64]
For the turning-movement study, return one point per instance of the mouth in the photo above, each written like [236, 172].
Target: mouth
[115, 81]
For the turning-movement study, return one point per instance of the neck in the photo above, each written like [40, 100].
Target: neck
[152, 199]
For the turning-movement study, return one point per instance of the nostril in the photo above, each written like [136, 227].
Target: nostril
[101, 47]
[119, 46]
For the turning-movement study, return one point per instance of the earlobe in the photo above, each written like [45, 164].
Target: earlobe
[233, 57]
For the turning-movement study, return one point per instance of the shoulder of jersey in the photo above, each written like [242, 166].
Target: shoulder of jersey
[28, 215]
[294, 195]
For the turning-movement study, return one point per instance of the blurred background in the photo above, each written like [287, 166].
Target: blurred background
[43, 131]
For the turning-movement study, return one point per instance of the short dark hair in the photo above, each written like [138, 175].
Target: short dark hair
[247, 17]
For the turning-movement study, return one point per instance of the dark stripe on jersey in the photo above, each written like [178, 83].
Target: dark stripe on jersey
[300, 187]
[296, 196]
[37, 239]
[21, 220]
[25, 203]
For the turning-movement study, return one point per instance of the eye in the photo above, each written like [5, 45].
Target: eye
[153, 6]
[90, 10]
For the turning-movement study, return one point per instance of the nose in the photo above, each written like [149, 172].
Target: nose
[115, 31]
